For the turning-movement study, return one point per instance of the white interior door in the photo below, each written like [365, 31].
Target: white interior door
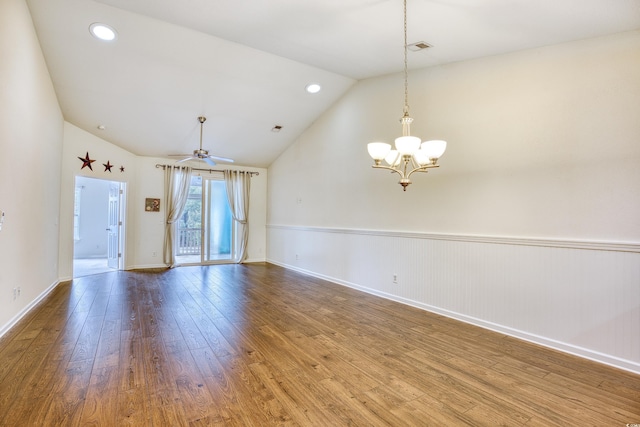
[113, 227]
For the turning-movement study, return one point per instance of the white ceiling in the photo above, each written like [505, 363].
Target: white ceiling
[244, 63]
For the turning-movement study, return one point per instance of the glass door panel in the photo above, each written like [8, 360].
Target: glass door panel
[206, 231]
[219, 223]
[189, 231]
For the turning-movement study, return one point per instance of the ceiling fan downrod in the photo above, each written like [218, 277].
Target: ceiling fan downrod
[201, 119]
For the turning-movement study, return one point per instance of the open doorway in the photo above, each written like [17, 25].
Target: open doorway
[97, 226]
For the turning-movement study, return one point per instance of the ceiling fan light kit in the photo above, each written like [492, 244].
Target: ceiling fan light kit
[200, 153]
[410, 154]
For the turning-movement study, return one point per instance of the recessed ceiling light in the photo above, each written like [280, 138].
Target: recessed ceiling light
[313, 88]
[101, 127]
[102, 31]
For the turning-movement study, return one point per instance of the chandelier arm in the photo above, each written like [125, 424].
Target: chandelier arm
[423, 169]
[405, 166]
[398, 171]
[414, 163]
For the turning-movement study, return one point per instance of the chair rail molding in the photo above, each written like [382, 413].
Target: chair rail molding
[498, 240]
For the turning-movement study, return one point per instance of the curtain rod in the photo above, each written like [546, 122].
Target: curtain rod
[202, 170]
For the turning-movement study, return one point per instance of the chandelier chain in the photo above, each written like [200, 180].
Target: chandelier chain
[406, 75]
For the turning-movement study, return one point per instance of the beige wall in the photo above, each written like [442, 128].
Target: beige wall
[542, 143]
[543, 150]
[144, 230]
[531, 225]
[150, 229]
[30, 149]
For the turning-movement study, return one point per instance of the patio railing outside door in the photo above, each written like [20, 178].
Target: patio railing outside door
[189, 241]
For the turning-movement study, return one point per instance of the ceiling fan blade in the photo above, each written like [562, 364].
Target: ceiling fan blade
[184, 160]
[201, 154]
[222, 159]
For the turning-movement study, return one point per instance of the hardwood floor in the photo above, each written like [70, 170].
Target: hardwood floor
[258, 345]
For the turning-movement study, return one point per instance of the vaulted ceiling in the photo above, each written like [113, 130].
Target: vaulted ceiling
[244, 64]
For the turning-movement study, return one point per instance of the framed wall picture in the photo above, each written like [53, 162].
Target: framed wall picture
[152, 205]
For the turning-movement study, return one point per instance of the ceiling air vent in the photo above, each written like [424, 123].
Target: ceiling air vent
[418, 46]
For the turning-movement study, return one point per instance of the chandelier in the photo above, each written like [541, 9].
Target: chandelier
[410, 154]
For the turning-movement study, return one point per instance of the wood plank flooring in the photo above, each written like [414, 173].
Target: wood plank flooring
[258, 345]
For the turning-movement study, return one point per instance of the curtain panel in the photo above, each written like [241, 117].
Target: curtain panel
[238, 188]
[177, 180]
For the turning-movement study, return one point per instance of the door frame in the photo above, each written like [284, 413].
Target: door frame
[206, 225]
[205, 203]
[121, 213]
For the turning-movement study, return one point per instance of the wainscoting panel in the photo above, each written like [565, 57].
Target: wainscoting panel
[578, 297]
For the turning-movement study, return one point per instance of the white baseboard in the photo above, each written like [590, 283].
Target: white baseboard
[144, 266]
[606, 359]
[5, 328]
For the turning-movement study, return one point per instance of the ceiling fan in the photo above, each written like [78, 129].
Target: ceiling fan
[200, 153]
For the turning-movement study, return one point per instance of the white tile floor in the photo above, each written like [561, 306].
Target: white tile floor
[88, 266]
[188, 259]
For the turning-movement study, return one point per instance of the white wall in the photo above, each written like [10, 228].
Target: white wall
[144, 230]
[30, 149]
[530, 226]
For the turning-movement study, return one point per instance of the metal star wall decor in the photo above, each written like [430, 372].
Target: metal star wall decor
[107, 166]
[121, 168]
[86, 161]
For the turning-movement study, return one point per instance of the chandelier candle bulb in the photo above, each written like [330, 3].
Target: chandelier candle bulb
[407, 145]
[393, 158]
[421, 157]
[378, 150]
[434, 149]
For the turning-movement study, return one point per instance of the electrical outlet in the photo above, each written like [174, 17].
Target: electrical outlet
[15, 293]
[154, 254]
[395, 278]
[297, 257]
[19, 291]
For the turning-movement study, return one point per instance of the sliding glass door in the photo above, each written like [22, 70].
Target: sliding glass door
[206, 232]
[219, 230]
